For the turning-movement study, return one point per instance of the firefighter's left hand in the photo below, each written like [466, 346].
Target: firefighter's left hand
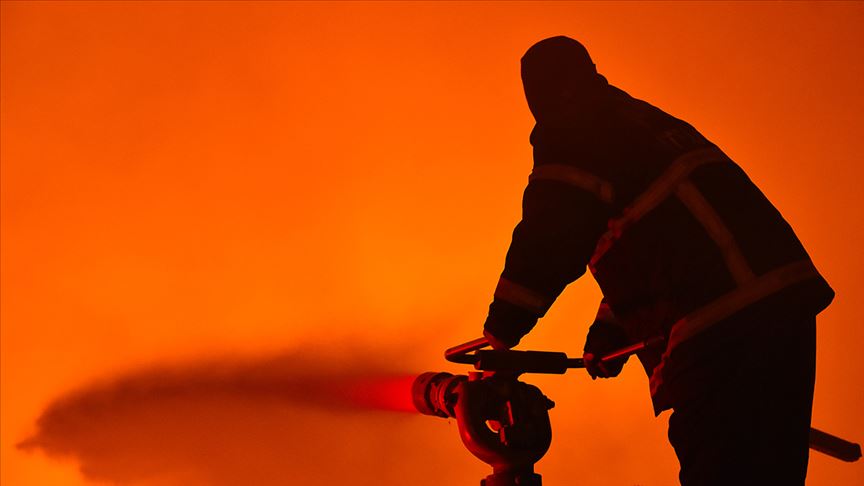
[604, 338]
[597, 368]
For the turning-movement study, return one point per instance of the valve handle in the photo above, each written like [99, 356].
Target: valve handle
[459, 353]
[512, 360]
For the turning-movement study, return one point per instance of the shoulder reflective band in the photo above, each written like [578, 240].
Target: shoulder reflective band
[701, 209]
[574, 177]
[658, 191]
[730, 303]
[522, 297]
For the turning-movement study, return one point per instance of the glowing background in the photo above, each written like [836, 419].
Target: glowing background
[186, 180]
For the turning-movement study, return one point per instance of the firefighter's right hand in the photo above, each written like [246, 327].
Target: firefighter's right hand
[604, 338]
[498, 344]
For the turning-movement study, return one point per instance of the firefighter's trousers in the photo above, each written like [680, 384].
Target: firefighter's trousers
[747, 418]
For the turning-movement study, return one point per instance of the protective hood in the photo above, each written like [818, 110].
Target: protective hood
[560, 80]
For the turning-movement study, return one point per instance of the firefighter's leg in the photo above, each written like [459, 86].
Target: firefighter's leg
[751, 426]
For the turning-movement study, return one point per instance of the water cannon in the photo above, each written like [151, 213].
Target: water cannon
[505, 422]
[502, 421]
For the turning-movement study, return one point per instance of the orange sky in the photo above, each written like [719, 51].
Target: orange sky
[183, 181]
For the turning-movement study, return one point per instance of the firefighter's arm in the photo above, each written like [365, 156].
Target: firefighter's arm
[551, 246]
[604, 336]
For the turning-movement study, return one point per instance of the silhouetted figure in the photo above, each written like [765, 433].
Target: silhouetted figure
[683, 245]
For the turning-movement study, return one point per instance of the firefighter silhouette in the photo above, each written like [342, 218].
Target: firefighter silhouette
[683, 245]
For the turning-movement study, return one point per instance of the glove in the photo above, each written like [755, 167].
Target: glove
[498, 344]
[603, 338]
[506, 324]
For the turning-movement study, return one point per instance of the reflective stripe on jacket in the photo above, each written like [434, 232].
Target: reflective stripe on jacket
[674, 232]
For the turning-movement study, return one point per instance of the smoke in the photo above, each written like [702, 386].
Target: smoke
[298, 418]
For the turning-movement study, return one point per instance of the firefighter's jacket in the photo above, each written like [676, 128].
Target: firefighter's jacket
[674, 232]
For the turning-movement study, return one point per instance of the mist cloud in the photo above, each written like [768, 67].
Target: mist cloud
[295, 418]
